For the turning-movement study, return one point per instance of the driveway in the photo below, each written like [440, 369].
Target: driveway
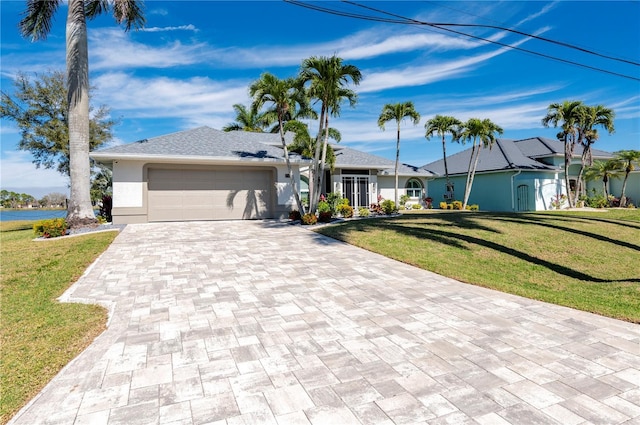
[252, 322]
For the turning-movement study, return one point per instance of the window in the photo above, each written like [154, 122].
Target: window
[414, 188]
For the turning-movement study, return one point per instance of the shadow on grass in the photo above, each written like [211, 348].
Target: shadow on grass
[547, 221]
[440, 235]
[577, 218]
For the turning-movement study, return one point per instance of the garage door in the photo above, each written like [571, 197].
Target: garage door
[209, 194]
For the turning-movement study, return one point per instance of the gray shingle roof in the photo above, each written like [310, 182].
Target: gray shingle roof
[204, 142]
[504, 155]
[540, 147]
[351, 158]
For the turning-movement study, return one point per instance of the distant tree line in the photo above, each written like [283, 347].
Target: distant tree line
[10, 199]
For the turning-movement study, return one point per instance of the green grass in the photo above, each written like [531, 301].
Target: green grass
[585, 260]
[38, 335]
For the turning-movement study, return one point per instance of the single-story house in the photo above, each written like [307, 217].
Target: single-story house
[517, 175]
[208, 174]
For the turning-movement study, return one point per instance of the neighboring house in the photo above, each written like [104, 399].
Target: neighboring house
[517, 175]
[201, 174]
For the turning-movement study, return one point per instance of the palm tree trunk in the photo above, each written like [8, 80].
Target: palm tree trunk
[623, 198]
[446, 169]
[471, 176]
[397, 161]
[605, 179]
[324, 154]
[79, 209]
[467, 187]
[568, 155]
[314, 196]
[292, 179]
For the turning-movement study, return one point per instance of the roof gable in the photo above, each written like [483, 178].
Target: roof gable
[352, 158]
[540, 147]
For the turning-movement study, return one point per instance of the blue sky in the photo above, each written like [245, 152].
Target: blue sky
[194, 60]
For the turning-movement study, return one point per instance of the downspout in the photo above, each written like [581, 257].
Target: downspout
[513, 203]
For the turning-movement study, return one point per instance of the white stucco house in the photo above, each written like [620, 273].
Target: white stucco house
[208, 174]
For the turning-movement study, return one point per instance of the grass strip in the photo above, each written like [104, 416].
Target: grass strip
[583, 260]
[38, 335]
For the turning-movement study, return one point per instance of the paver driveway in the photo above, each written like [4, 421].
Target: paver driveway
[263, 322]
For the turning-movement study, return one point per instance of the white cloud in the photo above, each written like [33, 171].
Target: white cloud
[18, 172]
[189, 27]
[547, 7]
[197, 100]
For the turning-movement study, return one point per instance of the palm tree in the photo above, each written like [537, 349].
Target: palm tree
[441, 125]
[283, 96]
[482, 133]
[248, 120]
[305, 145]
[327, 78]
[36, 24]
[629, 159]
[398, 112]
[589, 118]
[604, 170]
[567, 114]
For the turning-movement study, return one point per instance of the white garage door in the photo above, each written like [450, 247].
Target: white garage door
[209, 194]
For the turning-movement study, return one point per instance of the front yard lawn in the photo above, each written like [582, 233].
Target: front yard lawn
[38, 335]
[585, 260]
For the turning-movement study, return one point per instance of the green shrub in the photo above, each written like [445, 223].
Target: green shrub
[388, 206]
[323, 207]
[346, 210]
[456, 205]
[473, 207]
[449, 206]
[363, 212]
[51, 228]
[309, 219]
[443, 205]
[404, 199]
[416, 206]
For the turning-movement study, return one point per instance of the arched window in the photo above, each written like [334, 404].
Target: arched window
[414, 188]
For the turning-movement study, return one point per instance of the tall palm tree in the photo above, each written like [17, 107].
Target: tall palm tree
[589, 118]
[248, 119]
[36, 24]
[327, 78]
[283, 96]
[441, 125]
[629, 159]
[398, 112]
[604, 170]
[482, 133]
[567, 115]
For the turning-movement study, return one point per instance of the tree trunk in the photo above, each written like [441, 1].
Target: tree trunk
[397, 161]
[470, 176]
[467, 186]
[79, 211]
[605, 180]
[314, 170]
[292, 179]
[623, 198]
[446, 169]
[568, 155]
[324, 157]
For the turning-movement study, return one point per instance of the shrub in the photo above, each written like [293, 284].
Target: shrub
[416, 206]
[456, 205]
[323, 207]
[376, 208]
[345, 210]
[51, 228]
[105, 208]
[363, 212]
[325, 217]
[404, 199]
[449, 206]
[309, 219]
[443, 205]
[294, 215]
[473, 207]
[388, 206]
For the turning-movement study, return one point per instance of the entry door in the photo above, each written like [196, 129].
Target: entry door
[523, 197]
[356, 190]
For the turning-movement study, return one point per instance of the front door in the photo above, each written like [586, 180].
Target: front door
[356, 190]
[523, 197]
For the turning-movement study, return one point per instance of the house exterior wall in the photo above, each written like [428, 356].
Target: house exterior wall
[502, 191]
[632, 190]
[386, 188]
[130, 190]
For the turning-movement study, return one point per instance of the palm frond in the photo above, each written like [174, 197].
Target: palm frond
[38, 18]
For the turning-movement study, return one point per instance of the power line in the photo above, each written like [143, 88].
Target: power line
[408, 21]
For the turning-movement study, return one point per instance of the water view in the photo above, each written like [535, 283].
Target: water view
[30, 214]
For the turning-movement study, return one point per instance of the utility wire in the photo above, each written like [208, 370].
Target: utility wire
[497, 27]
[408, 21]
